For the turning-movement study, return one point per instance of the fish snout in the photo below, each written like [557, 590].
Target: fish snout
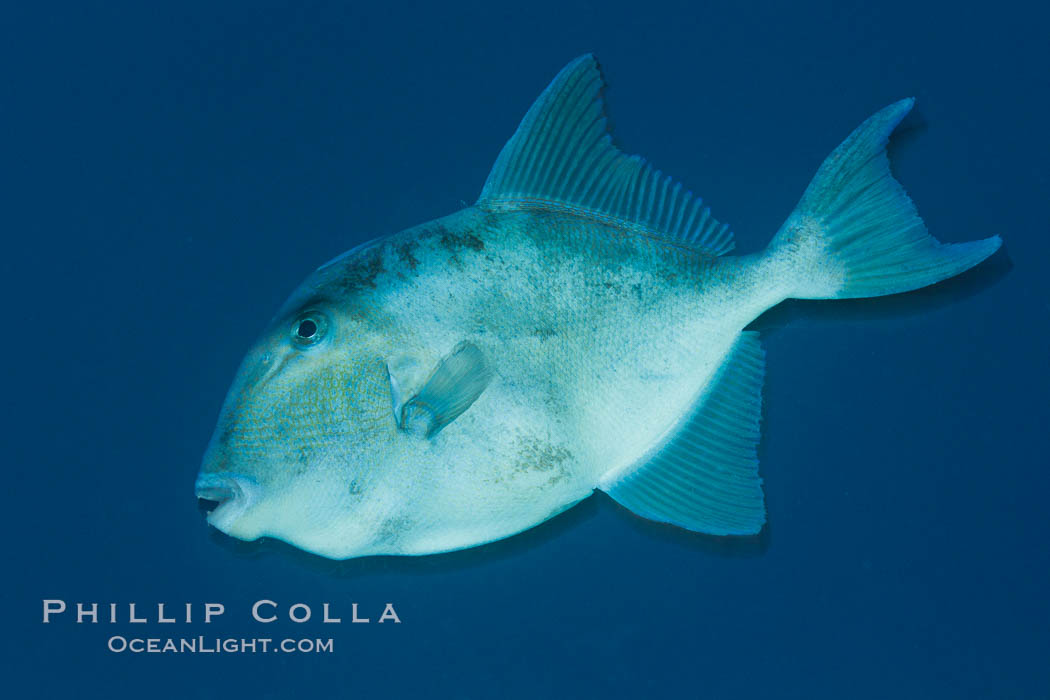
[226, 498]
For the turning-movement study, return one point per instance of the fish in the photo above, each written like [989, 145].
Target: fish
[582, 327]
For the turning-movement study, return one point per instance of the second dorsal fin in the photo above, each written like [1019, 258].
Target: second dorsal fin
[562, 158]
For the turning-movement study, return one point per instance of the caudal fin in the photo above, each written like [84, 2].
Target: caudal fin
[856, 233]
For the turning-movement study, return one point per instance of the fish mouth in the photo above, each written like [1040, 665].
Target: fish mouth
[224, 498]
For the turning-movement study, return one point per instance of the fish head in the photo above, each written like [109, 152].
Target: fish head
[298, 437]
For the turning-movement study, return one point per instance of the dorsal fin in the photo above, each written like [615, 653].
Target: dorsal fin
[562, 158]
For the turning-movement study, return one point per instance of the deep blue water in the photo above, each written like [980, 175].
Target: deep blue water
[175, 169]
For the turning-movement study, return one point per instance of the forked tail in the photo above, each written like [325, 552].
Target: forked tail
[856, 233]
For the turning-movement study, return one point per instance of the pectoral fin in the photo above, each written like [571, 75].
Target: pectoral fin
[407, 377]
[452, 387]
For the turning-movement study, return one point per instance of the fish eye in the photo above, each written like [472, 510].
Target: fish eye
[309, 329]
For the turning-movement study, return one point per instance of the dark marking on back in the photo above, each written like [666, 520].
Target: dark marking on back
[362, 271]
[454, 241]
[405, 252]
[491, 220]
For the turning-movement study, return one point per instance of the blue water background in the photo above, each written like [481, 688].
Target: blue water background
[173, 170]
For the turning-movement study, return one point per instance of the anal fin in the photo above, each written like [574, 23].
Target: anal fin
[705, 477]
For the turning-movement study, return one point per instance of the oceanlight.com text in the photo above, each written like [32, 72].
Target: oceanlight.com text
[217, 645]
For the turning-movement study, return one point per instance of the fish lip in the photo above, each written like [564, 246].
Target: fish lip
[234, 495]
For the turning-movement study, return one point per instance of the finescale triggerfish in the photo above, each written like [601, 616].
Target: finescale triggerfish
[580, 327]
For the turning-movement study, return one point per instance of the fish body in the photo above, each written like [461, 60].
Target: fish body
[581, 327]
